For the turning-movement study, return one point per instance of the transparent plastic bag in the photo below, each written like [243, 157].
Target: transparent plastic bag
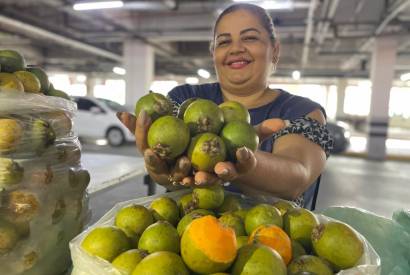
[389, 237]
[85, 264]
[43, 198]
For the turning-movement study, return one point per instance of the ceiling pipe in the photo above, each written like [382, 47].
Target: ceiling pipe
[323, 32]
[36, 32]
[352, 61]
[309, 33]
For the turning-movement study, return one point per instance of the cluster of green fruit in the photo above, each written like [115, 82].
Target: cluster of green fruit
[209, 232]
[16, 76]
[205, 132]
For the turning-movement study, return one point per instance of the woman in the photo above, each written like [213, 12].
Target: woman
[245, 52]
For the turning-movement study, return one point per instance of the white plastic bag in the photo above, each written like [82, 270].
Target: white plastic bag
[85, 264]
[42, 200]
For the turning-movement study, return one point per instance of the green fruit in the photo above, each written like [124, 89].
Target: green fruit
[183, 106]
[41, 135]
[205, 151]
[57, 93]
[59, 211]
[185, 204]
[241, 241]
[128, 260]
[297, 249]
[160, 236]
[234, 222]
[133, 220]
[309, 263]
[209, 197]
[241, 213]
[235, 111]
[237, 134]
[188, 218]
[202, 116]
[22, 205]
[337, 243]
[165, 208]
[156, 105]
[283, 206]
[11, 61]
[230, 204]
[11, 172]
[42, 76]
[168, 136]
[262, 214]
[10, 135]
[161, 263]
[258, 259]
[106, 242]
[8, 237]
[298, 224]
[78, 179]
[29, 80]
[10, 83]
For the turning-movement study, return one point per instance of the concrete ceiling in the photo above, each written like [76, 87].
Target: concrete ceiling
[321, 37]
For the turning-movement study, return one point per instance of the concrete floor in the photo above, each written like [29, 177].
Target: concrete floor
[380, 187]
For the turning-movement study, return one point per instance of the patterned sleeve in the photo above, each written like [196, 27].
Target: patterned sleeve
[310, 129]
[175, 106]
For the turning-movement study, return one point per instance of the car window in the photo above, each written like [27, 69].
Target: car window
[113, 105]
[85, 104]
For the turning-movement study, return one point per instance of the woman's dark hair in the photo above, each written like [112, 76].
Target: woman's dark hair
[263, 16]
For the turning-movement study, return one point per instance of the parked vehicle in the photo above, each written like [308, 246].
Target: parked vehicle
[341, 136]
[96, 118]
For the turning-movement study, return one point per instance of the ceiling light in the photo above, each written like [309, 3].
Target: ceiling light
[296, 75]
[192, 80]
[98, 5]
[204, 73]
[119, 70]
[405, 77]
[276, 5]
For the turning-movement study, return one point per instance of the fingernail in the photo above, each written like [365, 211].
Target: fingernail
[142, 116]
[244, 153]
[224, 172]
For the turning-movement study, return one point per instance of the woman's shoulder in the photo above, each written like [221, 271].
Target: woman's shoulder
[294, 106]
[181, 93]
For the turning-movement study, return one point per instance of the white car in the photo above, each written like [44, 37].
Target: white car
[96, 118]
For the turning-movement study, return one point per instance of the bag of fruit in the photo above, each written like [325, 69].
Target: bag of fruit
[206, 230]
[43, 198]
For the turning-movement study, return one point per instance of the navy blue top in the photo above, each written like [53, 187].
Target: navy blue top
[285, 106]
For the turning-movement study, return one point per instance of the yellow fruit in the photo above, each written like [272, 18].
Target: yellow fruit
[29, 80]
[42, 76]
[209, 197]
[106, 242]
[133, 220]
[298, 224]
[11, 172]
[8, 237]
[160, 236]
[165, 208]
[235, 111]
[10, 135]
[161, 263]
[207, 246]
[10, 82]
[262, 214]
[128, 260]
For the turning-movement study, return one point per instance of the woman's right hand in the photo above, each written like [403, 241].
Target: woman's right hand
[158, 169]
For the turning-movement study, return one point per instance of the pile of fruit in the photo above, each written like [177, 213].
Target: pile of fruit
[43, 202]
[15, 76]
[207, 231]
[202, 130]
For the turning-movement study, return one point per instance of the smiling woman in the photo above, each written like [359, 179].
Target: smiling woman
[294, 140]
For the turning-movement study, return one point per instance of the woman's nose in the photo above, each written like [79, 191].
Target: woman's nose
[237, 47]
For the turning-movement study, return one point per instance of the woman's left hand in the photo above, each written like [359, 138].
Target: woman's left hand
[246, 160]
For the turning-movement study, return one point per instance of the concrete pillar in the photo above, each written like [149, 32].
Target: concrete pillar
[139, 64]
[341, 88]
[381, 74]
[90, 83]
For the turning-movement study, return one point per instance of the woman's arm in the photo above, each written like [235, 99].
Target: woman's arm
[290, 169]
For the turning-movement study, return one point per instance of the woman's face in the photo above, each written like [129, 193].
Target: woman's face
[243, 53]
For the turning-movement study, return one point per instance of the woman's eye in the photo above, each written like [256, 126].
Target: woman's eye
[250, 38]
[222, 43]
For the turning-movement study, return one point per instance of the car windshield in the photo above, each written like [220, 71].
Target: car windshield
[113, 105]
